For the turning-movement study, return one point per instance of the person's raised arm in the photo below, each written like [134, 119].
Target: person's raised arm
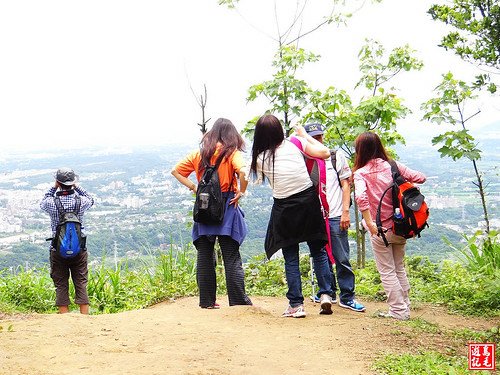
[313, 147]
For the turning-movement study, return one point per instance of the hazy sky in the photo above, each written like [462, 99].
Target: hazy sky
[118, 72]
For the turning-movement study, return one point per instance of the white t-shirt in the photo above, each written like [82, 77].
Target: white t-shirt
[333, 190]
[290, 173]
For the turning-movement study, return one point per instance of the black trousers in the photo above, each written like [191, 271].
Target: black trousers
[205, 272]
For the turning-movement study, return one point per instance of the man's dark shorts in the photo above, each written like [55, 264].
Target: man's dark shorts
[60, 271]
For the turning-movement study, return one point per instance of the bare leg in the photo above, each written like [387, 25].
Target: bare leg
[84, 309]
[63, 309]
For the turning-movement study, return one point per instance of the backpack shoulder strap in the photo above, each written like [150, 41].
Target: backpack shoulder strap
[396, 175]
[294, 140]
[59, 206]
[397, 180]
[333, 158]
[218, 162]
[78, 204]
[378, 219]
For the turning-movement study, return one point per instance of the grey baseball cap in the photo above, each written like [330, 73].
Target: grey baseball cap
[66, 176]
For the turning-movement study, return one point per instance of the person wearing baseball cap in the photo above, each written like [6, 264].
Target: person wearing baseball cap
[73, 198]
[315, 130]
[66, 177]
[338, 193]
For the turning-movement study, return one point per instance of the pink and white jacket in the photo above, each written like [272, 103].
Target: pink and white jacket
[372, 180]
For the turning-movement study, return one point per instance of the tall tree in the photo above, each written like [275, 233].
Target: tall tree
[449, 107]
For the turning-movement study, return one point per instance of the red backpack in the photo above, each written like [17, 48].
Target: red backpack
[410, 212]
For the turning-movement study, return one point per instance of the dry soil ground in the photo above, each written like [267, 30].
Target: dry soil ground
[180, 338]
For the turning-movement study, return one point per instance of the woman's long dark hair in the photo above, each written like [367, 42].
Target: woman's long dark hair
[268, 135]
[368, 146]
[224, 132]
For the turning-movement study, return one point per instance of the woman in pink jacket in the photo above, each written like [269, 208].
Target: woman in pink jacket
[372, 176]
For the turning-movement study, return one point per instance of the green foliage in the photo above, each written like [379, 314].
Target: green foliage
[449, 107]
[468, 335]
[379, 111]
[484, 80]
[375, 72]
[451, 93]
[459, 289]
[462, 288]
[7, 308]
[267, 277]
[428, 363]
[264, 277]
[160, 277]
[286, 94]
[423, 325]
[457, 144]
[476, 37]
[431, 362]
[453, 285]
[368, 282]
[481, 253]
[229, 3]
[28, 290]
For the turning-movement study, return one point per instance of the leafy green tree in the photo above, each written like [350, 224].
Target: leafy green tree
[378, 111]
[286, 93]
[449, 107]
[477, 34]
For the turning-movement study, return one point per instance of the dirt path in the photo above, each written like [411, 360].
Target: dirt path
[180, 338]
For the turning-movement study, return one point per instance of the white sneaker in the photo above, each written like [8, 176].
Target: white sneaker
[326, 304]
[294, 312]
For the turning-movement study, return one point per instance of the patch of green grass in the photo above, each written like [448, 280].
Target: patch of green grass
[162, 275]
[111, 289]
[425, 363]
[472, 336]
[491, 335]
[266, 278]
[7, 308]
[423, 325]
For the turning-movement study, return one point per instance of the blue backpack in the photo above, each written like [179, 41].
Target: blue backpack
[68, 240]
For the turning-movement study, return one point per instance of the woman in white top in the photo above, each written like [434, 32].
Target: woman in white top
[296, 213]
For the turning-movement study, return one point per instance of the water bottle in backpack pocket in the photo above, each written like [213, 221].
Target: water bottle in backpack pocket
[209, 206]
[400, 225]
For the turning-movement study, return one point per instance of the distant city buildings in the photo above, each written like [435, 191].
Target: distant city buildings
[137, 200]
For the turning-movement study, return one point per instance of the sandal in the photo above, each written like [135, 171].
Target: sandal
[215, 306]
